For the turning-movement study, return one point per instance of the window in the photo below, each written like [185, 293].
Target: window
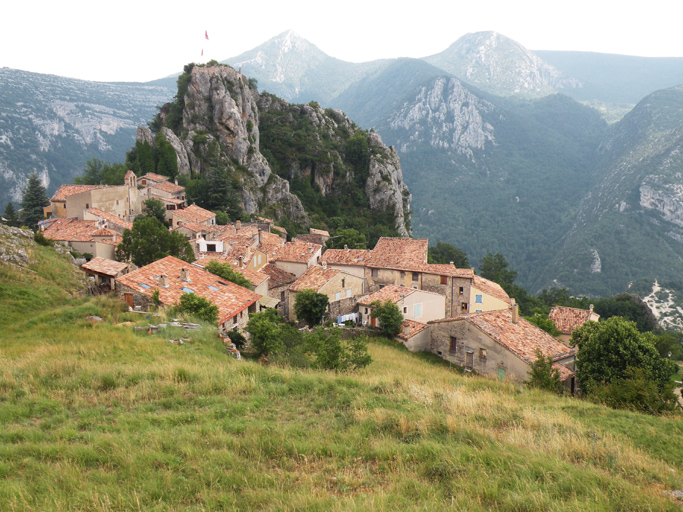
[501, 374]
[469, 360]
[405, 310]
[87, 205]
[282, 296]
[374, 273]
[403, 275]
[146, 286]
[478, 311]
[454, 345]
[348, 292]
[478, 299]
[482, 353]
[337, 296]
[444, 279]
[187, 290]
[211, 247]
[416, 277]
[417, 310]
[461, 291]
[343, 283]
[464, 306]
[212, 288]
[366, 311]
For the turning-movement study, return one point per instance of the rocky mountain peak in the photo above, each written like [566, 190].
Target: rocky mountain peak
[500, 65]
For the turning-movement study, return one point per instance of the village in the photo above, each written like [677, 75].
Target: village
[452, 312]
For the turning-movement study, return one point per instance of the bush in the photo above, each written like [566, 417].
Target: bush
[310, 306]
[198, 306]
[390, 318]
[40, 239]
[543, 376]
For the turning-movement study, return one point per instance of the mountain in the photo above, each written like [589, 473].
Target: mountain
[629, 226]
[53, 125]
[294, 69]
[299, 164]
[501, 66]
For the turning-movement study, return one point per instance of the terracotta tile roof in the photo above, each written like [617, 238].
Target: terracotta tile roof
[390, 292]
[413, 329]
[168, 187]
[169, 200]
[71, 230]
[565, 373]
[255, 278]
[490, 288]
[320, 232]
[567, 319]
[300, 252]
[230, 298]
[280, 229]
[522, 338]
[194, 227]
[113, 219]
[68, 190]
[443, 269]
[311, 239]
[278, 277]
[355, 257]
[105, 266]
[399, 253]
[194, 213]
[264, 219]
[104, 232]
[314, 278]
[230, 231]
[129, 174]
[150, 176]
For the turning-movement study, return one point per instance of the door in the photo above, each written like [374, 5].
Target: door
[469, 359]
[128, 297]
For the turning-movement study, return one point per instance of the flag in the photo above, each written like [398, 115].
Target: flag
[206, 35]
[202, 52]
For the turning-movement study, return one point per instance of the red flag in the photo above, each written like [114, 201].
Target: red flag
[202, 52]
[206, 35]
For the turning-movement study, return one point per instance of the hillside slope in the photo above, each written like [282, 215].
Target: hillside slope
[96, 416]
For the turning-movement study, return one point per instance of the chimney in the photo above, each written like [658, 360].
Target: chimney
[325, 264]
[247, 252]
[176, 181]
[406, 330]
[240, 260]
[238, 224]
[163, 282]
[346, 248]
[183, 275]
[260, 238]
[590, 308]
[515, 312]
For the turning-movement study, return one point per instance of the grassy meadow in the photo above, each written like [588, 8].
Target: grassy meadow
[95, 416]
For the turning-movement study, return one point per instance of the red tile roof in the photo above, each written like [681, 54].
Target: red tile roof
[68, 190]
[300, 252]
[193, 226]
[389, 292]
[194, 213]
[567, 319]
[150, 176]
[320, 232]
[443, 269]
[105, 266]
[168, 187]
[230, 298]
[113, 219]
[311, 239]
[278, 277]
[414, 328]
[521, 338]
[351, 257]
[314, 278]
[490, 288]
[104, 232]
[169, 200]
[71, 230]
[399, 253]
[129, 174]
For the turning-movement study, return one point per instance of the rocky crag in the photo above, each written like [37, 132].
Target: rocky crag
[224, 118]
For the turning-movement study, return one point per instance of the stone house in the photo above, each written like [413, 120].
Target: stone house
[174, 277]
[297, 257]
[84, 236]
[105, 272]
[415, 336]
[417, 305]
[340, 288]
[278, 286]
[499, 344]
[568, 319]
[192, 213]
[107, 220]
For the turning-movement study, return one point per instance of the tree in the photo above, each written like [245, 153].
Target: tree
[310, 306]
[612, 351]
[637, 391]
[389, 316]
[545, 323]
[495, 268]
[264, 328]
[32, 202]
[98, 172]
[10, 217]
[543, 376]
[444, 252]
[198, 306]
[350, 238]
[149, 241]
[167, 160]
[225, 271]
[155, 208]
[628, 306]
[331, 352]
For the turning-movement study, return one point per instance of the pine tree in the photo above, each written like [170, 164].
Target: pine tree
[10, 218]
[32, 202]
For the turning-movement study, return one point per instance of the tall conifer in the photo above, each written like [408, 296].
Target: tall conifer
[32, 202]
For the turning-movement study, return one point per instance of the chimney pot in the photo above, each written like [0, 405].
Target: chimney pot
[163, 283]
[238, 224]
[406, 330]
[346, 248]
[183, 275]
[515, 313]
[325, 264]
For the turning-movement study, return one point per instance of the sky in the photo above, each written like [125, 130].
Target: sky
[142, 40]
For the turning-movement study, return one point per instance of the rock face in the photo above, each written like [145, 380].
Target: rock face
[15, 245]
[443, 115]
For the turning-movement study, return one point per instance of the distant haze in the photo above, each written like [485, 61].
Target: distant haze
[142, 41]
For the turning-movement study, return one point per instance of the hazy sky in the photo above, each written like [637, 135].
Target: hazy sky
[146, 39]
